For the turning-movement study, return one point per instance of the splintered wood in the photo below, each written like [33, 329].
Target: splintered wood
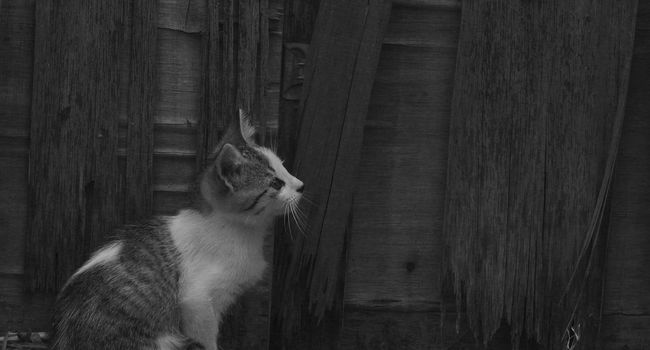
[538, 99]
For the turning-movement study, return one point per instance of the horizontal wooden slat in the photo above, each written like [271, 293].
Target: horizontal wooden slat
[370, 329]
[169, 202]
[441, 4]
[20, 311]
[426, 27]
[184, 15]
[179, 78]
[625, 331]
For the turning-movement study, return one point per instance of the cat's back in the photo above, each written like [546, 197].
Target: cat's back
[124, 296]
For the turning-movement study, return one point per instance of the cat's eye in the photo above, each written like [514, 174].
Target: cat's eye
[276, 183]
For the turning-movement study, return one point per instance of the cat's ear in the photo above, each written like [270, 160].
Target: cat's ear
[229, 165]
[246, 129]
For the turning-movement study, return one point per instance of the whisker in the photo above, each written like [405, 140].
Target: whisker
[286, 222]
[306, 199]
[298, 217]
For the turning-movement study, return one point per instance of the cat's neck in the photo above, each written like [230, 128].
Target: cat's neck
[196, 231]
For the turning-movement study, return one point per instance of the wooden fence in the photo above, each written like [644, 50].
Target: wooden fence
[434, 136]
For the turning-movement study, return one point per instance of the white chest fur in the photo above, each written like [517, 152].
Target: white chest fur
[219, 258]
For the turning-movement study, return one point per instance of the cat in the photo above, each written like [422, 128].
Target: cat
[166, 284]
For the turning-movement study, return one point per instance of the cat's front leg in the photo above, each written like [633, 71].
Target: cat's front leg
[200, 322]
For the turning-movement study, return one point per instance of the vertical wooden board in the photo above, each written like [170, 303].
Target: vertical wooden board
[247, 64]
[179, 78]
[74, 134]
[340, 70]
[16, 63]
[528, 147]
[626, 298]
[298, 26]
[395, 245]
[138, 189]
[13, 212]
[16, 58]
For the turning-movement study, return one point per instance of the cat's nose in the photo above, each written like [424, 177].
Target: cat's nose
[301, 188]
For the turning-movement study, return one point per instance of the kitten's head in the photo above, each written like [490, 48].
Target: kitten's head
[245, 178]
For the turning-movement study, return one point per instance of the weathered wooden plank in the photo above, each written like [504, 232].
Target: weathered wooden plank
[213, 115]
[187, 16]
[625, 331]
[169, 201]
[298, 26]
[440, 4]
[424, 27]
[179, 78]
[174, 170]
[626, 299]
[73, 136]
[16, 57]
[247, 58]
[531, 127]
[395, 246]
[343, 58]
[382, 327]
[261, 81]
[367, 329]
[13, 212]
[138, 189]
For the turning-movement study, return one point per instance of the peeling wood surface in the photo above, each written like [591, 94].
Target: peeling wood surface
[530, 130]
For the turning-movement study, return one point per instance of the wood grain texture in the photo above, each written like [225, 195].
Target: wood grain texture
[530, 131]
[179, 78]
[13, 212]
[188, 16]
[339, 75]
[16, 55]
[16, 59]
[626, 299]
[20, 311]
[298, 26]
[138, 187]
[74, 180]
[439, 4]
[379, 327]
[395, 245]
